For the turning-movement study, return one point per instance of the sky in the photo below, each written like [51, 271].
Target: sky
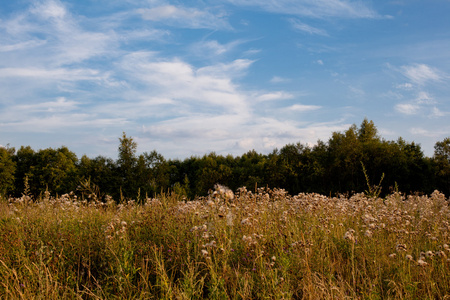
[186, 78]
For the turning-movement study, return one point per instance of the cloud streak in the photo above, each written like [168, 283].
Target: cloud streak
[421, 74]
[300, 26]
[186, 17]
[314, 8]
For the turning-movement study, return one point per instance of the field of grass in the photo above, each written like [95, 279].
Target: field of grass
[248, 245]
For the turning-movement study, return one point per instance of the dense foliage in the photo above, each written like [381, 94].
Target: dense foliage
[328, 168]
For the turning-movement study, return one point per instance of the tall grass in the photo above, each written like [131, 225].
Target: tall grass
[260, 245]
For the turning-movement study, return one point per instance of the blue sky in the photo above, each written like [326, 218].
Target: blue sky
[190, 77]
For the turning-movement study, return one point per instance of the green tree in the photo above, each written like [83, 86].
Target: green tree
[25, 160]
[7, 170]
[212, 169]
[251, 170]
[156, 171]
[101, 172]
[346, 151]
[55, 170]
[442, 164]
[127, 162]
[367, 131]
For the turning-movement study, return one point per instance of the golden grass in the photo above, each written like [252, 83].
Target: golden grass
[259, 245]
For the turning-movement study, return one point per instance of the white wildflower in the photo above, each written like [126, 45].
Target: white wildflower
[422, 263]
[349, 235]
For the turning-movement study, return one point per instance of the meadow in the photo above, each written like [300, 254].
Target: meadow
[261, 244]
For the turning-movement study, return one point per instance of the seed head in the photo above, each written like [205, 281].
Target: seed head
[422, 263]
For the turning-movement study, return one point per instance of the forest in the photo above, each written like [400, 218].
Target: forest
[356, 160]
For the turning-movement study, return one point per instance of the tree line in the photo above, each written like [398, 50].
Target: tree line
[352, 161]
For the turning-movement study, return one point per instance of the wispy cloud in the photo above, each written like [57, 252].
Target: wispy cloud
[314, 8]
[437, 113]
[62, 39]
[421, 73]
[303, 108]
[59, 105]
[279, 79]
[428, 133]
[421, 102]
[213, 49]
[63, 74]
[211, 87]
[21, 45]
[187, 17]
[407, 108]
[279, 95]
[300, 26]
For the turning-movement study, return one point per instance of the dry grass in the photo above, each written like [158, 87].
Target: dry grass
[245, 245]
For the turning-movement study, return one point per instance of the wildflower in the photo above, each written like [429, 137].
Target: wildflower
[230, 218]
[409, 257]
[422, 263]
[247, 239]
[210, 244]
[204, 252]
[441, 254]
[422, 256]
[349, 235]
[392, 255]
[368, 233]
[400, 247]
[245, 221]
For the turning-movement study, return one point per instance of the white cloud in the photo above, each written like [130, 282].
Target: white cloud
[53, 74]
[50, 9]
[407, 108]
[437, 113]
[21, 45]
[405, 86]
[424, 98]
[303, 108]
[60, 105]
[210, 87]
[234, 69]
[314, 8]
[427, 133]
[280, 95]
[185, 17]
[278, 79]
[62, 39]
[300, 26]
[421, 73]
[61, 122]
[212, 48]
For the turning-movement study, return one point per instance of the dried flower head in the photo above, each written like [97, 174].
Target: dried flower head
[422, 263]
